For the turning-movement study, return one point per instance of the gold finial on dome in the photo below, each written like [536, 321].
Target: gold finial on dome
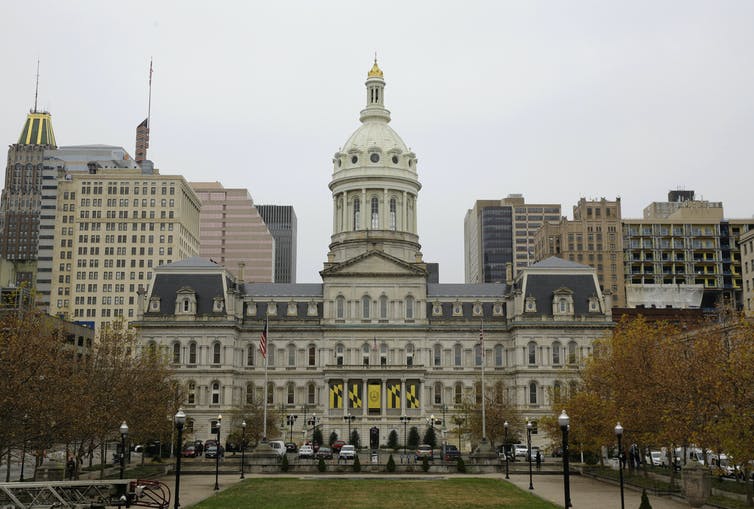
[375, 71]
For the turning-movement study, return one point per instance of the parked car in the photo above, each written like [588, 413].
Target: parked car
[337, 445]
[305, 451]
[323, 453]
[347, 452]
[291, 447]
[534, 451]
[189, 451]
[214, 451]
[520, 450]
[654, 458]
[278, 446]
[425, 451]
[450, 453]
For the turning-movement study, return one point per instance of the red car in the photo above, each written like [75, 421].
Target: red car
[189, 451]
[337, 445]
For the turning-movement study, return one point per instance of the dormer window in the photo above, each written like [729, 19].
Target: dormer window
[154, 304]
[185, 303]
[562, 302]
[477, 309]
[457, 309]
[436, 309]
[594, 304]
[292, 309]
[531, 305]
[218, 304]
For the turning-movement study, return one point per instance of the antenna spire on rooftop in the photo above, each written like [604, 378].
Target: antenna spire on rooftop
[36, 88]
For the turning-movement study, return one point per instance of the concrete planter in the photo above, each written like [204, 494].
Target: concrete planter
[697, 484]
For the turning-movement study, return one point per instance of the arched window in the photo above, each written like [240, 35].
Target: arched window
[340, 307]
[186, 306]
[312, 355]
[409, 308]
[556, 392]
[409, 354]
[192, 353]
[216, 353]
[438, 393]
[365, 305]
[375, 213]
[191, 393]
[250, 354]
[392, 219]
[532, 393]
[291, 355]
[215, 393]
[572, 352]
[532, 350]
[437, 355]
[291, 393]
[311, 391]
[563, 305]
[365, 354]
[339, 355]
[556, 360]
[249, 393]
[270, 393]
[457, 355]
[356, 214]
[176, 353]
[383, 307]
[498, 355]
[477, 355]
[458, 394]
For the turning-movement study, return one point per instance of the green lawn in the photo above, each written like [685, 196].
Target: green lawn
[282, 493]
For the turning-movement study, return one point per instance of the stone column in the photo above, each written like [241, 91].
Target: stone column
[697, 483]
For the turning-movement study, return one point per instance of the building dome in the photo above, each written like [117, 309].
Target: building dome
[375, 135]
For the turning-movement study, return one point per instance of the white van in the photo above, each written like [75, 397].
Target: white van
[278, 446]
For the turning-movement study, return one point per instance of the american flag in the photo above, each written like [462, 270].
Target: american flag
[263, 339]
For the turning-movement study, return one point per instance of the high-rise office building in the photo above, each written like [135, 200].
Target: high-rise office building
[113, 227]
[281, 221]
[21, 201]
[593, 238]
[746, 241]
[498, 232]
[232, 233]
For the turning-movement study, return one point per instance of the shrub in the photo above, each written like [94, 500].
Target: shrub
[284, 464]
[425, 463]
[461, 466]
[322, 466]
[392, 440]
[333, 438]
[430, 437]
[356, 464]
[390, 467]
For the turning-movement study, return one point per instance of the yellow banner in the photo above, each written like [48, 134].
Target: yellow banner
[394, 395]
[412, 395]
[374, 396]
[336, 395]
[354, 395]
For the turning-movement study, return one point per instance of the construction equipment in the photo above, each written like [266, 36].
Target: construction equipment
[84, 494]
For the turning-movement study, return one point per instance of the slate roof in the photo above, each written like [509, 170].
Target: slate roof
[193, 262]
[554, 262]
[465, 290]
[543, 286]
[205, 286]
[283, 289]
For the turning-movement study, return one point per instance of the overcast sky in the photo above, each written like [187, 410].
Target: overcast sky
[555, 100]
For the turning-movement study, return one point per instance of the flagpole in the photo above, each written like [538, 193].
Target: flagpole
[264, 354]
[481, 346]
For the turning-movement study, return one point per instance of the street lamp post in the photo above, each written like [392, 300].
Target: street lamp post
[528, 453]
[563, 421]
[243, 445]
[505, 450]
[180, 420]
[619, 436]
[348, 417]
[123, 433]
[217, 455]
[23, 451]
[313, 422]
[290, 419]
[404, 419]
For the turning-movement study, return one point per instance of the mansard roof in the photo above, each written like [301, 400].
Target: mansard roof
[271, 290]
[554, 262]
[453, 290]
[205, 286]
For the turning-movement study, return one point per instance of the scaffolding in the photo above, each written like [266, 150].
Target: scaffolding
[84, 494]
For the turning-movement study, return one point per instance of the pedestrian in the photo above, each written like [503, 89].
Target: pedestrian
[538, 459]
[71, 467]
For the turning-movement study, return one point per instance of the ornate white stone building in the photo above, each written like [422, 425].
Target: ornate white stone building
[375, 339]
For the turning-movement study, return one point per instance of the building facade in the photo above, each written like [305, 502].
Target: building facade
[746, 243]
[499, 232]
[375, 340]
[594, 237]
[113, 227]
[281, 222]
[233, 233]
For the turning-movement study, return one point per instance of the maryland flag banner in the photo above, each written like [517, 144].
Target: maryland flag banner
[354, 395]
[412, 394]
[393, 394]
[374, 396]
[336, 394]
